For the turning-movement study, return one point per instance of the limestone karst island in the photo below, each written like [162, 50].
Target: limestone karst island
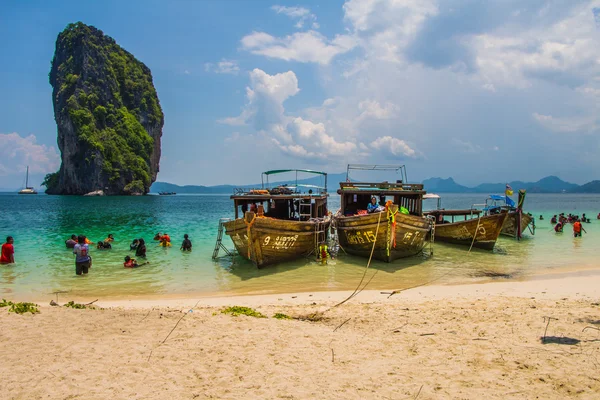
[108, 116]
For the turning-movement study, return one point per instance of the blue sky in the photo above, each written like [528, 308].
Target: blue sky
[480, 91]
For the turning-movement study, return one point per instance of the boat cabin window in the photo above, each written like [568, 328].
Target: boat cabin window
[294, 208]
[356, 203]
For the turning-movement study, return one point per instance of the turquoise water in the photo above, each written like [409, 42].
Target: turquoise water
[40, 225]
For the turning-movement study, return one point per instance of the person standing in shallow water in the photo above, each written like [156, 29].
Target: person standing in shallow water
[140, 251]
[186, 245]
[83, 261]
[8, 251]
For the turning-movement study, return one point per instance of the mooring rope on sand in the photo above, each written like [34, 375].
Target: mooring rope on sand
[358, 289]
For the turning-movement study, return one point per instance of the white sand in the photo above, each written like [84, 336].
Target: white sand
[469, 341]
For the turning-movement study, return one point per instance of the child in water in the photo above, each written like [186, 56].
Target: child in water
[164, 242]
[132, 263]
[186, 245]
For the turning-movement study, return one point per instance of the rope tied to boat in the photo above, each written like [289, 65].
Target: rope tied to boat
[391, 216]
[475, 234]
[248, 230]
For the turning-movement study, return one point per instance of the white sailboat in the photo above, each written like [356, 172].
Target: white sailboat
[27, 190]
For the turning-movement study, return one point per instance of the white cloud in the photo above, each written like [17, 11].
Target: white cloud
[264, 99]
[392, 146]
[300, 14]
[465, 146]
[387, 27]
[568, 125]
[17, 152]
[306, 47]
[294, 136]
[565, 52]
[372, 109]
[223, 67]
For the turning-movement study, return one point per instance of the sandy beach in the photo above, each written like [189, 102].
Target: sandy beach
[430, 342]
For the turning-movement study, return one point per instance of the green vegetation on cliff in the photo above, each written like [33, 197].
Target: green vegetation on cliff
[108, 97]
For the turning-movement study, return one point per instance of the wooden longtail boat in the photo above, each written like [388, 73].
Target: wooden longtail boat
[399, 230]
[517, 221]
[293, 226]
[510, 227]
[474, 230]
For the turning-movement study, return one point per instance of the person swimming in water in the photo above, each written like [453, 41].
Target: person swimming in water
[110, 238]
[157, 236]
[541, 217]
[186, 245]
[132, 263]
[103, 246]
[553, 220]
[134, 244]
[558, 228]
[164, 242]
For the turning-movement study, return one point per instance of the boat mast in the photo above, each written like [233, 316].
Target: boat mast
[27, 178]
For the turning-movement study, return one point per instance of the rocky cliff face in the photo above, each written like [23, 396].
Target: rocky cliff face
[108, 116]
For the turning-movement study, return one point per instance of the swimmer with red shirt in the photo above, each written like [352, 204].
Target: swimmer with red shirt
[132, 263]
[8, 251]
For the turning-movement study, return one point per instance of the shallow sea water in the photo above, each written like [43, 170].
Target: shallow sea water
[40, 225]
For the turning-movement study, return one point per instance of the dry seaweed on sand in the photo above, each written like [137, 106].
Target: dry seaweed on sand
[492, 274]
[313, 317]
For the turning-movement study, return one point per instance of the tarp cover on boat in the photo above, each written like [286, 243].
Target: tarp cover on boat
[509, 202]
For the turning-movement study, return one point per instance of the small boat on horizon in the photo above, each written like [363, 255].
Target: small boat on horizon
[397, 230]
[28, 189]
[279, 224]
[475, 230]
[167, 193]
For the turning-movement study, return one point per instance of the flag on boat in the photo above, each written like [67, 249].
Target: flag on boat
[508, 191]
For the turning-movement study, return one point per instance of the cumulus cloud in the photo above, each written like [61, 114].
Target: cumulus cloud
[17, 152]
[223, 67]
[306, 47]
[393, 147]
[264, 99]
[301, 15]
[295, 136]
[387, 27]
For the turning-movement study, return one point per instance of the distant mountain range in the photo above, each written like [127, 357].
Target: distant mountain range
[333, 181]
[549, 184]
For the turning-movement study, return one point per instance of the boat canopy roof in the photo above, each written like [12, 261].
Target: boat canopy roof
[377, 167]
[497, 197]
[281, 171]
[431, 196]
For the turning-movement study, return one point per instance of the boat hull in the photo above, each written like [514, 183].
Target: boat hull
[268, 241]
[510, 223]
[480, 232]
[358, 233]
